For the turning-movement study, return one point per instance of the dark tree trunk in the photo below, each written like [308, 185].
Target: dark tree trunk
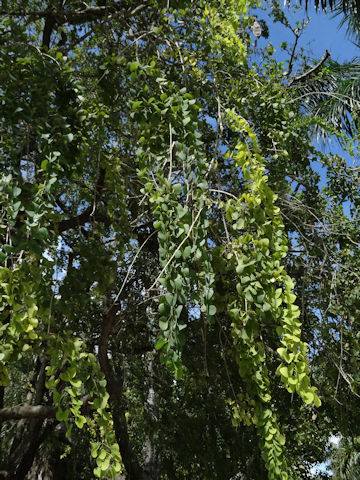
[29, 447]
[132, 467]
[30, 433]
[27, 450]
[114, 385]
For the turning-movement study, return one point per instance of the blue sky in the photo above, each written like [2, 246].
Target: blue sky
[322, 33]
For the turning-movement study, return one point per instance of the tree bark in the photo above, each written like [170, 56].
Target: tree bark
[114, 387]
[27, 411]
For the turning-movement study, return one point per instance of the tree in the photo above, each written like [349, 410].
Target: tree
[330, 90]
[157, 201]
[345, 461]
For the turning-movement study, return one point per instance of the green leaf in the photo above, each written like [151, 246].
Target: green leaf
[60, 414]
[266, 307]
[178, 372]
[16, 191]
[308, 397]
[178, 283]
[94, 449]
[164, 324]
[212, 310]
[163, 308]
[80, 421]
[97, 472]
[281, 351]
[44, 165]
[102, 454]
[136, 104]
[134, 66]
[105, 464]
[284, 371]
[171, 299]
[16, 206]
[76, 383]
[160, 343]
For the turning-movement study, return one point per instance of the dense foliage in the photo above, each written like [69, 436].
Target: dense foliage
[179, 297]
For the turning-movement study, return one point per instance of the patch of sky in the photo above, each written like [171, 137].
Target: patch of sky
[324, 467]
[59, 272]
[319, 32]
[322, 33]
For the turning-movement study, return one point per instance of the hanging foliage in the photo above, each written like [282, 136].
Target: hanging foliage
[146, 219]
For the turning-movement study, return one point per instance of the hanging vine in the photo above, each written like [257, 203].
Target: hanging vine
[173, 170]
[265, 298]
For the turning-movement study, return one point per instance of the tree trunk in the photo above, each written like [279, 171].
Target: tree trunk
[114, 385]
[150, 462]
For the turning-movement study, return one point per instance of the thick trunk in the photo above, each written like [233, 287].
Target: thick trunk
[27, 450]
[132, 467]
[29, 434]
[114, 387]
[35, 382]
[30, 447]
[2, 392]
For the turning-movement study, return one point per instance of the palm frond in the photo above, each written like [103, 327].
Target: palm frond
[349, 16]
[345, 461]
[346, 6]
[333, 94]
[349, 10]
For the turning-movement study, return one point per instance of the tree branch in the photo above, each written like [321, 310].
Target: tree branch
[311, 70]
[88, 214]
[109, 317]
[49, 26]
[74, 222]
[77, 17]
[291, 62]
[27, 411]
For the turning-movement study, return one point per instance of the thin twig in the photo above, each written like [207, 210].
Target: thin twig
[176, 250]
[223, 191]
[170, 152]
[291, 62]
[129, 270]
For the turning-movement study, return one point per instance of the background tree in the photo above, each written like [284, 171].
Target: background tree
[157, 186]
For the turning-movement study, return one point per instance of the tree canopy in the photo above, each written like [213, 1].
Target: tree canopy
[179, 293]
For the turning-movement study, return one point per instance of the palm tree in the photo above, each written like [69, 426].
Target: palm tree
[329, 90]
[332, 92]
[345, 461]
[349, 9]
